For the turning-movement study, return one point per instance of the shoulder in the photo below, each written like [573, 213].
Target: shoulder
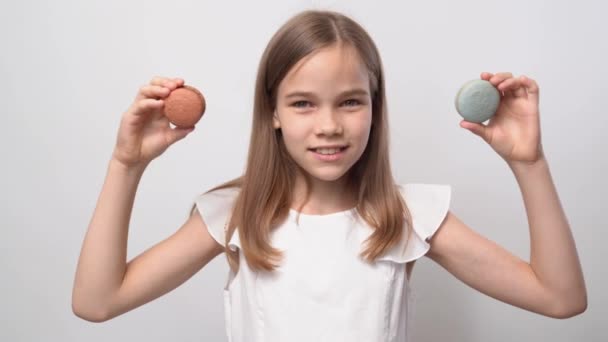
[415, 192]
[428, 204]
[215, 208]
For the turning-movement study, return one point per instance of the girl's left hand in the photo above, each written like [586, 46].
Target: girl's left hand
[514, 131]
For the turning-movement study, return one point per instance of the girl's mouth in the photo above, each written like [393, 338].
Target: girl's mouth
[329, 154]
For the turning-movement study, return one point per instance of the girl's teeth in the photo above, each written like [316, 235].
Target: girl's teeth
[328, 150]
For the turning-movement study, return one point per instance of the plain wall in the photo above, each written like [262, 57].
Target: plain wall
[69, 69]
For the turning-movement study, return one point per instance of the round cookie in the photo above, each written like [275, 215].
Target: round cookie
[185, 106]
[477, 101]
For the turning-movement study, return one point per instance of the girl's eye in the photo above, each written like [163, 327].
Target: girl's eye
[352, 102]
[301, 104]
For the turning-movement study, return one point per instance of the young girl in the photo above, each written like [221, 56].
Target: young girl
[320, 240]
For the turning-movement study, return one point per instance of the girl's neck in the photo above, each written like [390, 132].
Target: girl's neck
[324, 198]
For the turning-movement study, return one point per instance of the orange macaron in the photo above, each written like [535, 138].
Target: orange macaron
[185, 106]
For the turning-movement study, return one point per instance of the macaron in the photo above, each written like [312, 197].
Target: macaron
[185, 106]
[477, 101]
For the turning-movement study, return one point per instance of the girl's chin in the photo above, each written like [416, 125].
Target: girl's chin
[326, 175]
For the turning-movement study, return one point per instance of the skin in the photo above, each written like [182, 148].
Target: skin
[105, 284]
[328, 115]
[551, 283]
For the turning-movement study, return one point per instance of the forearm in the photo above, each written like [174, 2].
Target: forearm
[553, 255]
[102, 261]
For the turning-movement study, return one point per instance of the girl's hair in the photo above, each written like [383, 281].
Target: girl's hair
[266, 187]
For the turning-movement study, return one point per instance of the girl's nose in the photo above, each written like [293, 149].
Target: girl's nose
[328, 123]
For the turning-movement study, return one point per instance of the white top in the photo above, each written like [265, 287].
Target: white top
[323, 290]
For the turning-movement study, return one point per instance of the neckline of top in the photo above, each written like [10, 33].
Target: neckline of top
[341, 213]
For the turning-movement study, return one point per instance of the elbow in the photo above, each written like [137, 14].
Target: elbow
[569, 308]
[89, 311]
[569, 312]
[89, 314]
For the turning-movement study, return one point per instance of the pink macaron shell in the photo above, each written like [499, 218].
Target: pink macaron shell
[184, 106]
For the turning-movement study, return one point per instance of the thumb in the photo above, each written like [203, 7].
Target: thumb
[476, 128]
[178, 133]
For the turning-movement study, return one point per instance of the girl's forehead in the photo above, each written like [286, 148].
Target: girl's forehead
[335, 66]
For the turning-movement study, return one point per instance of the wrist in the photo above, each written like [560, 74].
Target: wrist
[126, 169]
[527, 166]
[532, 159]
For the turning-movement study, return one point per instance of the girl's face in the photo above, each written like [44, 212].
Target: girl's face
[324, 102]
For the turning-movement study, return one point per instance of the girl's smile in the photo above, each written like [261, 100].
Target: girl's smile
[324, 112]
[329, 154]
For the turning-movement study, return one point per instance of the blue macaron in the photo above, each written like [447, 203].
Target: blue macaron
[477, 101]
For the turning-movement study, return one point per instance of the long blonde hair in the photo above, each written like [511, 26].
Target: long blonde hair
[266, 187]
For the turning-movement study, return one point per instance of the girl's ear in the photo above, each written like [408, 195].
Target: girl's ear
[275, 121]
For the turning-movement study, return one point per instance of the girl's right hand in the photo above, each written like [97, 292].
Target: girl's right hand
[144, 131]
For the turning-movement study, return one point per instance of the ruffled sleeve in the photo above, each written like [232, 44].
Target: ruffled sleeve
[215, 208]
[428, 205]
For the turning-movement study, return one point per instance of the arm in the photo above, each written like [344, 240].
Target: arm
[102, 262]
[552, 282]
[553, 255]
[106, 285]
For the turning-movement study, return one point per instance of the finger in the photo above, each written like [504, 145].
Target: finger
[499, 77]
[167, 82]
[159, 80]
[144, 106]
[486, 76]
[153, 92]
[512, 86]
[531, 87]
[520, 92]
[178, 133]
[476, 128]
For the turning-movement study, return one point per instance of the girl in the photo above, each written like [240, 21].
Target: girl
[320, 240]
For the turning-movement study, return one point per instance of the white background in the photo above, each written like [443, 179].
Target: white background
[68, 70]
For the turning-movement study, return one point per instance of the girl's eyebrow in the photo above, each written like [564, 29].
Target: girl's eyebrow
[357, 91]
